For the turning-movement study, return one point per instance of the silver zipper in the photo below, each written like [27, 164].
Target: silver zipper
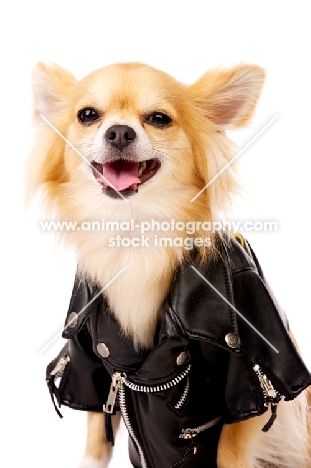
[156, 388]
[60, 367]
[128, 424]
[184, 395]
[116, 381]
[190, 433]
[271, 395]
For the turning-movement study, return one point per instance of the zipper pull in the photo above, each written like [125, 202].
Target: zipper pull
[268, 425]
[60, 367]
[271, 396]
[272, 393]
[267, 386]
[269, 391]
[116, 382]
[188, 433]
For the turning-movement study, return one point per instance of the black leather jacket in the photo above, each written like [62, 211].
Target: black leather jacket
[217, 341]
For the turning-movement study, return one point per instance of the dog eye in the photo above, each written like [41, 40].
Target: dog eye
[88, 115]
[159, 119]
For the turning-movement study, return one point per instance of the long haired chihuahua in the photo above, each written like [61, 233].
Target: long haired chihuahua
[129, 144]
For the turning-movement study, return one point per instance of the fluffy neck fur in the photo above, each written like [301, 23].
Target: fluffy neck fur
[136, 296]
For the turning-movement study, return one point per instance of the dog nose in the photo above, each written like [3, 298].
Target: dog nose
[120, 136]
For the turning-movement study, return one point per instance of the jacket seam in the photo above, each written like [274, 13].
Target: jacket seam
[243, 269]
[73, 404]
[198, 335]
[96, 341]
[269, 371]
[229, 293]
[141, 434]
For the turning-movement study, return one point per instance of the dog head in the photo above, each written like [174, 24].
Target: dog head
[130, 140]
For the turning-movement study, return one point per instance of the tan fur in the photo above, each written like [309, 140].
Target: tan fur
[96, 444]
[237, 443]
[285, 445]
[192, 151]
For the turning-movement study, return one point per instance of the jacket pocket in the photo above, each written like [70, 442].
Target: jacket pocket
[191, 433]
[161, 387]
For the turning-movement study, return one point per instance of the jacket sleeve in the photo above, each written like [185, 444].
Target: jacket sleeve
[269, 353]
[77, 377]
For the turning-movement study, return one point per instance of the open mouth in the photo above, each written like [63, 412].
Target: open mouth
[124, 176]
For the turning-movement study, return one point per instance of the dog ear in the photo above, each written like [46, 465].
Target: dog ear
[228, 97]
[51, 89]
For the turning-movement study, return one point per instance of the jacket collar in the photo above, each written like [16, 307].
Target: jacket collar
[200, 298]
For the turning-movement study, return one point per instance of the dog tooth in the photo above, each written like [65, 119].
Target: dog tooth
[142, 168]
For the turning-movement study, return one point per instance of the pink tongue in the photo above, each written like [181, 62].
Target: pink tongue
[121, 174]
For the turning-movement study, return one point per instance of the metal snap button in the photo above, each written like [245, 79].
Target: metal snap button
[72, 320]
[181, 358]
[103, 350]
[232, 340]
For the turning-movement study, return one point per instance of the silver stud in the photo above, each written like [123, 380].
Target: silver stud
[103, 350]
[232, 340]
[181, 358]
[72, 320]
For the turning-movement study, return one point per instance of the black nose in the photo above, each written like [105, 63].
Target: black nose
[120, 136]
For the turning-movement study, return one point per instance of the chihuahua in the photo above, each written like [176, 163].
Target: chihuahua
[130, 144]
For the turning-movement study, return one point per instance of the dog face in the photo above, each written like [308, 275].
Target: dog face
[131, 126]
[131, 133]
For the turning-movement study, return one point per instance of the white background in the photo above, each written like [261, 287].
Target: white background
[184, 38]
